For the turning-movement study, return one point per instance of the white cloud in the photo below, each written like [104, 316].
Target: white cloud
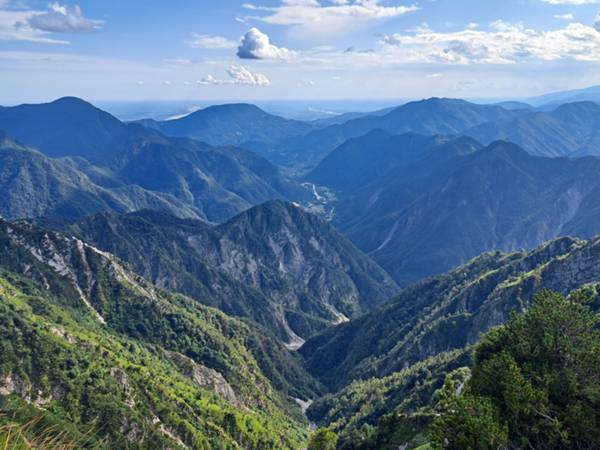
[503, 44]
[257, 45]
[570, 2]
[238, 75]
[568, 16]
[179, 61]
[597, 23]
[211, 42]
[21, 24]
[14, 27]
[311, 20]
[62, 19]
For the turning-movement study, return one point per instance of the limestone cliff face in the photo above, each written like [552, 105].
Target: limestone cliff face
[204, 377]
[275, 264]
[228, 354]
[450, 311]
[85, 339]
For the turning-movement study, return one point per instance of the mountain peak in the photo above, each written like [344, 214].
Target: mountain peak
[440, 101]
[236, 106]
[269, 210]
[71, 101]
[502, 148]
[68, 126]
[237, 124]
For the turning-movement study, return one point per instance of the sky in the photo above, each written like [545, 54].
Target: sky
[133, 50]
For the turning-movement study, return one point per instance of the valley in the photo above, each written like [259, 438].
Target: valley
[235, 279]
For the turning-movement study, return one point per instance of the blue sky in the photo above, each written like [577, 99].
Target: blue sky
[295, 49]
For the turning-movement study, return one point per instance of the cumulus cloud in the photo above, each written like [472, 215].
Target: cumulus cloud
[211, 42]
[312, 20]
[14, 27]
[238, 75]
[62, 19]
[257, 45]
[504, 44]
[597, 23]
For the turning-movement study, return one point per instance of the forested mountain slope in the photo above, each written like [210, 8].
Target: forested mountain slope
[569, 130]
[139, 167]
[421, 206]
[89, 344]
[427, 117]
[450, 311]
[283, 268]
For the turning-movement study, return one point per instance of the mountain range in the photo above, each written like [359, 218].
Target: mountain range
[422, 205]
[241, 125]
[69, 126]
[275, 264]
[569, 130]
[395, 358]
[87, 342]
[232, 279]
[129, 167]
[588, 94]
[34, 185]
[428, 117]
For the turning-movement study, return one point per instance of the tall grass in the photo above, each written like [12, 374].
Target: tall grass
[34, 436]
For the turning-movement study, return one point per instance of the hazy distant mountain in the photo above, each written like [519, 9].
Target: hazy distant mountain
[233, 124]
[345, 117]
[577, 95]
[515, 105]
[211, 183]
[34, 185]
[572, 129]
[275, 264]
[217, 182]
[422, 216]
[69, 127]
[427, 117]
[363, 160]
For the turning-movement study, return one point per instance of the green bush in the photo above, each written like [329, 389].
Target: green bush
[535, 383]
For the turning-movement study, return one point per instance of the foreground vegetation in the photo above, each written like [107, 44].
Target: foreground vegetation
[93, 356]
[535, 383]
[532, 383]
[104, 355]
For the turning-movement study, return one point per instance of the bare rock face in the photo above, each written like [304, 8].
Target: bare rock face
[204, 377]
[276, 264]
[13, 384]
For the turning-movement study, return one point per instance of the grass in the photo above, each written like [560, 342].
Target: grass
[33, 435]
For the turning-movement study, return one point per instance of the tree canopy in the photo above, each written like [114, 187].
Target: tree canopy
[535, 383]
